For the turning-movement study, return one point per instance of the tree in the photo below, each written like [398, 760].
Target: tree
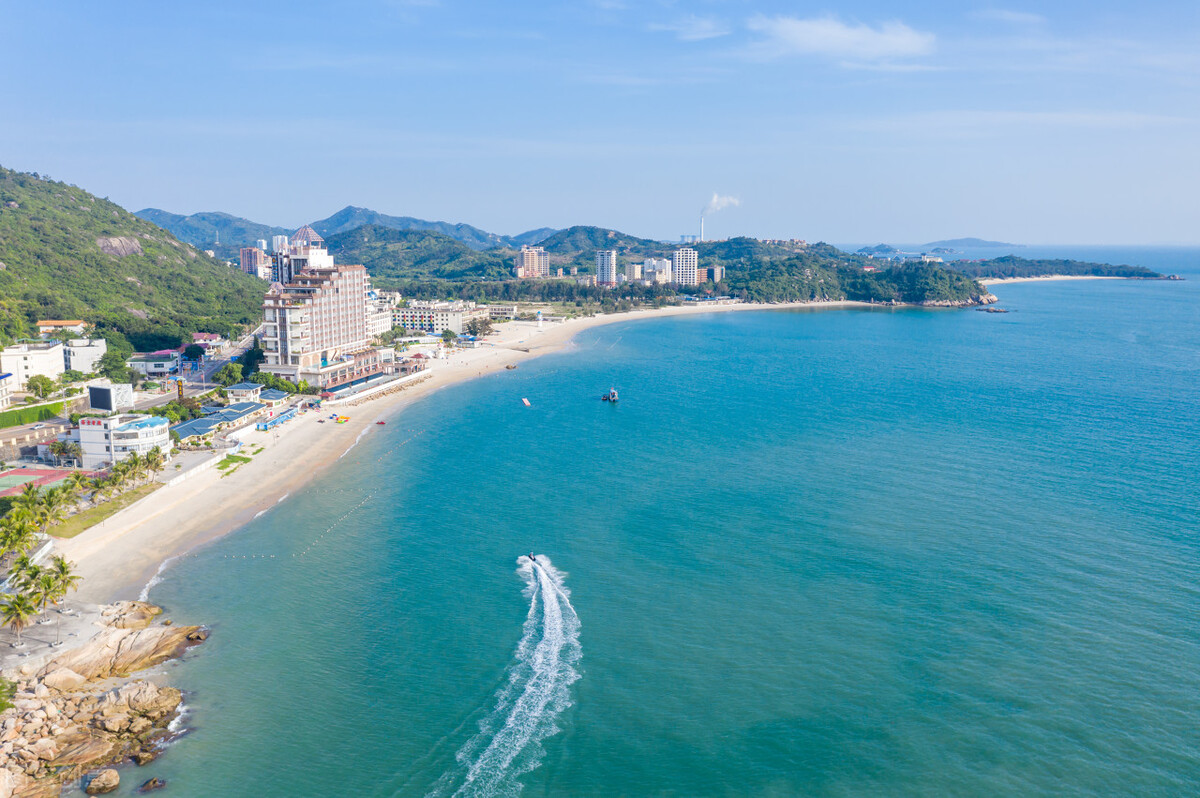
[17, 613]
[154, 460]
[229, 374]
[44, 591]
[194, 352]
[112, 365]
[65, 580]
[71, 375]
[448, 337]
[479, 327]
[41, 385]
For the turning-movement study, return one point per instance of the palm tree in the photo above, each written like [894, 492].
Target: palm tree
[18, 531]
[29, 498]
[19, 567]
[58, 449]
[155, 460]
[16, 613]
[43, 591]
[29, 577]
[55, 505]
[64, 572]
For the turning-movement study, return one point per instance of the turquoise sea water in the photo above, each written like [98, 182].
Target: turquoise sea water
[873, 552]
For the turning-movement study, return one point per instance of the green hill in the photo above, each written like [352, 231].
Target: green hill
[350, 217]
[67, 254]
[1012, 266]
[390, 255]
[202, 230]
[586, 240]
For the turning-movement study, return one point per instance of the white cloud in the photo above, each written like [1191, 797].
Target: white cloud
[693, 28]
[830, 37]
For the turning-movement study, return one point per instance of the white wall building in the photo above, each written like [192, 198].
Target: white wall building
[155, 364]
[7, 385]
[110, 440]
[27, 359]
[279, 243]
[633, 272]
[83, 354]
[683, 267]
[437, 317]
[606, 267]
[657, 270]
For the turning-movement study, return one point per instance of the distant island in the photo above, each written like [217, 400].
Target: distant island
[963, 243]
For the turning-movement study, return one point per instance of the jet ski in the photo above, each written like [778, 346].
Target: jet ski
[532, 558]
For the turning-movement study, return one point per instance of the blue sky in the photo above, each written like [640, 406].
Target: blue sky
[864, 121]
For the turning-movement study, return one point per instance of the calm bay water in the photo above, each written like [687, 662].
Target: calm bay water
[809, 553]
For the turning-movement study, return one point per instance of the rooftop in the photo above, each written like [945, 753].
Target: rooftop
[61, 323]
[244, 386]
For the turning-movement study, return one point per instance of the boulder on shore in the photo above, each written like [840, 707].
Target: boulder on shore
[105, 781]
[118, 651]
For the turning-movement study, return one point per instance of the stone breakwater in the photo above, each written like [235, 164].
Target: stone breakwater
[82, 710]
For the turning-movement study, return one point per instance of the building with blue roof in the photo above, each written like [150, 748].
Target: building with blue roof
[244, 392]
[217, 418]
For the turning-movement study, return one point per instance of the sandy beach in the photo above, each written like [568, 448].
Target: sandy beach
[121, 555]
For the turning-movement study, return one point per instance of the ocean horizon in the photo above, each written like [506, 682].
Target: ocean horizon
[892, 551]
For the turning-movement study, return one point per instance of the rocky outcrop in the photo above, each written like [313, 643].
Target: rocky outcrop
[120, 246]
[62, 724]
[980, 299]
[120, 651]
[103, 782]
[130, 614]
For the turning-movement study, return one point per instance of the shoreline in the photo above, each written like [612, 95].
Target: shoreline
[128, 553]
[1041, 278]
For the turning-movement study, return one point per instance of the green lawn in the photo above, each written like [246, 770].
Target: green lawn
[231, 463]
[89, 518]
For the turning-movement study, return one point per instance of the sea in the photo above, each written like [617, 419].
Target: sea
[866, 552]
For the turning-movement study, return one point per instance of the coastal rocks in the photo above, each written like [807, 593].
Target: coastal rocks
[64, 680]
[152, 784]
[103, 782]
[60, 725]
[130, 614]
[981, 299]
[119, 651]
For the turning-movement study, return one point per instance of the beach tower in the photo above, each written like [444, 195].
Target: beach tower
[539, 315]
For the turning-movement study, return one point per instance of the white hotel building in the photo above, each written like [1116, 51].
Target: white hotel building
[683, 267]
[606, 268]
[109, 440]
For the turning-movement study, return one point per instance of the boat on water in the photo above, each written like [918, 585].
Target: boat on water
[611, 396]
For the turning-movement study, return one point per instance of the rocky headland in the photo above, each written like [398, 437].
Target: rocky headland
[82, 710]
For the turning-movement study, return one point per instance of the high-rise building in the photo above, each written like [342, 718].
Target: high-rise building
[532, 263]
[262, 244]
[633, 271]
[279, 243]
[256, 261]
[683, 266]
[606, 267]
[316, 317]
[657, 270]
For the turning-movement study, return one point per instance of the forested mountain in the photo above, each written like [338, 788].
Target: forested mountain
[391, 254]
[350, 217]
[66, 254]
[1012, 266]
[202, 230]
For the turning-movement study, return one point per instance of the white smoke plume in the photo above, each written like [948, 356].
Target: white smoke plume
[718, 203]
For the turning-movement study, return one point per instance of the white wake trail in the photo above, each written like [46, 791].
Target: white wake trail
[508, 744]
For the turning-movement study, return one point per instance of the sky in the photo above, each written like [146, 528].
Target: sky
[1072, 122]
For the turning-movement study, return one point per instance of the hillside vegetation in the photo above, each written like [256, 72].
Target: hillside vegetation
[391, 254]
[235, 232]
[1012, 266]
[202, 230]
[67, 254]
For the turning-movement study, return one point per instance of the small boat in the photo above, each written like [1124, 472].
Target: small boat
[510, 367]
[526, 401]
[342, 419]
[611, 396]
[381, 423]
